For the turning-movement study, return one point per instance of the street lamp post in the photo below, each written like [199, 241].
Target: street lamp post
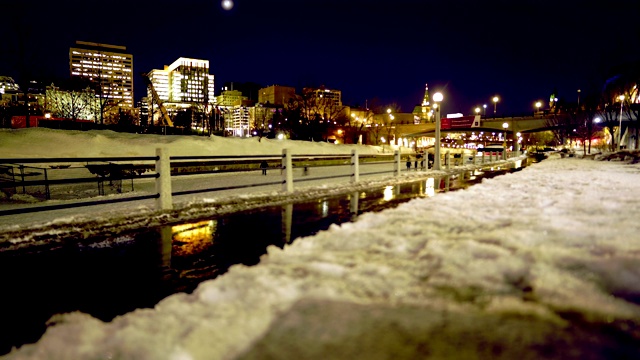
[437, 98]
[477, 111]
[484, 110]
[504, 143]
[495, 105]
[538, 104]
[620, 124]
[578, 97]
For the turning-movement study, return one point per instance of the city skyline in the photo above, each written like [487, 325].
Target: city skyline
[471, 51]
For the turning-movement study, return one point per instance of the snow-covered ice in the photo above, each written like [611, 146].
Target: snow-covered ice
[540, 263]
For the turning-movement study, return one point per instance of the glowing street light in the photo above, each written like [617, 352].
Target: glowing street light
[504, 144]
[484, 110]
[477, 110]
[620, 125]
[578, 97]
[495, 105]
[538, 104]
[437, 98]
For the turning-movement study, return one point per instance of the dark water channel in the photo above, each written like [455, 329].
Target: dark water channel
[118, 273]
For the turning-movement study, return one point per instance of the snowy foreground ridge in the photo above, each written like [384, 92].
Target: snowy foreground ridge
[541, 263]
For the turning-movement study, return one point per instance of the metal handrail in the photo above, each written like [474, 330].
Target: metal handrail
[175, 162]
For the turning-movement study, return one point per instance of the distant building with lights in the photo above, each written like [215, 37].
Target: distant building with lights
[184, 84]
[323, 104]
[8, 85]
[239, 122]
[10, 92]
[322, 94]
[231, 98]
[276, 95]
[422, 113]
[110, 66]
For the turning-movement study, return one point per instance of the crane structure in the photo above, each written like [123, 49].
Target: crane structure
[165, 114]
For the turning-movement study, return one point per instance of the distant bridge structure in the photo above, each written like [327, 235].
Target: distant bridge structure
[521, 124]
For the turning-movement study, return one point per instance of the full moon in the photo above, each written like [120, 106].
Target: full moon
[227, 4]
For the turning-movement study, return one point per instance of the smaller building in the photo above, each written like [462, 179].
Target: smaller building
[329, 98]
[276, 95]
[8, 85]
[231, 98]
[240, 121]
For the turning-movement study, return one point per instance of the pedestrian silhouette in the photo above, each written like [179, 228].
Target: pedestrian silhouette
[263, 166]
[408, 163]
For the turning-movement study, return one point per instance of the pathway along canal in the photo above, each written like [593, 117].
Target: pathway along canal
[116, 274]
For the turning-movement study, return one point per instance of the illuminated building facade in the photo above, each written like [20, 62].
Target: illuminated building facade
[183, 84]
[108, 65]
[8, 85]
[184, 81]
[328, 97]
[240, 121]
[423, 112]
[231, 98]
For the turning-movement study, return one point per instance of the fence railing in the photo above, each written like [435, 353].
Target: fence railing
[162, 168]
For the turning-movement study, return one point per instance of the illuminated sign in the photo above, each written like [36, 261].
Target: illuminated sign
[463, 122]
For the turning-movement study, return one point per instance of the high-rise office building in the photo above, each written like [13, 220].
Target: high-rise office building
[110, 66]
[182, 85]
[184, 81]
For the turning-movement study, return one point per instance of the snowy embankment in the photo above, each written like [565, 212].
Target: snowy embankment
[541, 263]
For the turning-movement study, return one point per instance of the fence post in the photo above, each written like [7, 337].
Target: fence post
[46, 185]
[474, 153]
[163, 181]
[355, 166]
[396, 162]
[24, 188]
[287, 176]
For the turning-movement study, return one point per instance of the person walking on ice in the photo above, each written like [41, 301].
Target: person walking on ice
[264, 166]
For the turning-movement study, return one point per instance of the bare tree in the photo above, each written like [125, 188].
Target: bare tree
[609, 111]
[107, 109]
[576, 120]
[560, 122]
[589, 111]
[358, 126]
[262, 117]
[383, 121]
[316, 115]
[71, 104]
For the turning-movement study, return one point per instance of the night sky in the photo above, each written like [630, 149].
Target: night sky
[378, 52]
